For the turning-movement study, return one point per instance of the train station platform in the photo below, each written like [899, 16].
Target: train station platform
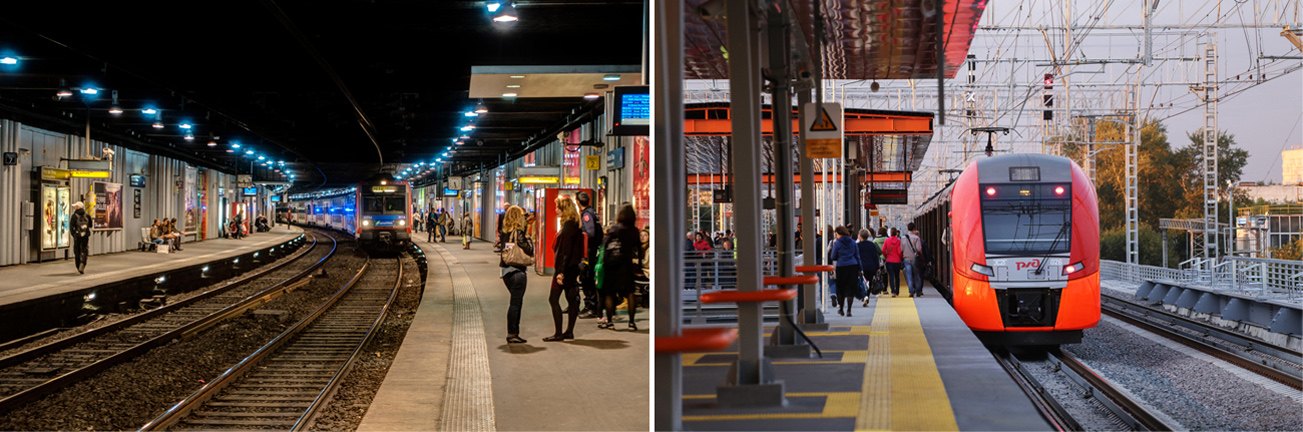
[26, 282]
[455, 370]
[898, 364]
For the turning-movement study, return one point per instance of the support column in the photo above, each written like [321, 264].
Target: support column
[750, 381]
[1209, 155]
[1132, 211]
[784, 342]
[668, 214]
[811, 318]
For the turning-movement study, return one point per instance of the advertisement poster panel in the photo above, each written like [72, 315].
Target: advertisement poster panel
[49, 213]
[191, 203]
[108, 205]
[65, 213]
[642, 179]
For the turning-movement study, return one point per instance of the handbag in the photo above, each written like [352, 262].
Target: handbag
[514, 253]
[599, 271]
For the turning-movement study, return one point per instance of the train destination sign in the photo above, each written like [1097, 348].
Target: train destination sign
[824, 130]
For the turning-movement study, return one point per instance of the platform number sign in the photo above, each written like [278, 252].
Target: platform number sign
[592, 163]
[824, 133]
[11, 158]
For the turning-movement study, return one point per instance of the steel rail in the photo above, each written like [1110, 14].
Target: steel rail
[1122, 406]
[44, 389]
[1045, 404]
[1153, 320]
[174, 415]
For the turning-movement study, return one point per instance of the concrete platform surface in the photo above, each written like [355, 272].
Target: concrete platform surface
[32, 281]
[599, 381]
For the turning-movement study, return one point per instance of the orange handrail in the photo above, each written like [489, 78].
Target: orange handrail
[696, 340]
[815, 268]
[735, 296]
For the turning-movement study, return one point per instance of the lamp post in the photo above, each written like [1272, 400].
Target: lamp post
[1230, 210]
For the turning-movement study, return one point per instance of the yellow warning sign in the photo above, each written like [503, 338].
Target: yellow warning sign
[592, 163]
[823, 123]
[823, 148]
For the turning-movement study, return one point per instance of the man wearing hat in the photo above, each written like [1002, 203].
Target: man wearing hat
[80, 225]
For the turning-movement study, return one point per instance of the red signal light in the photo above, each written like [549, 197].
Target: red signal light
[1049, 81]
[1058, 190]
[990, 191]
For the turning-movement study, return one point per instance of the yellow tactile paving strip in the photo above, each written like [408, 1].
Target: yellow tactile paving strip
[837, 405]
[902, 389]
[855, 356]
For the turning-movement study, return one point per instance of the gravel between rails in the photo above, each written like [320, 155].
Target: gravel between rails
[351, 401]
[107, 319]
[131, 394]
[1200, 395]
[1089, 413]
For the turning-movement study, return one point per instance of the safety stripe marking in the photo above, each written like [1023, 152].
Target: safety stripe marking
[836, 405]
[852, 356]
[902, 389]
[468, 398]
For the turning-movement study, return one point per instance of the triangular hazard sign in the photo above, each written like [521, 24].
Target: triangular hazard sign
[824, 123]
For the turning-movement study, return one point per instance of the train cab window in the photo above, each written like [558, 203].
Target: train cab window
[384, 205]
[1026, 219]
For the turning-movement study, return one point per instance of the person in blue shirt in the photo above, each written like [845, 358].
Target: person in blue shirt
[846, 258]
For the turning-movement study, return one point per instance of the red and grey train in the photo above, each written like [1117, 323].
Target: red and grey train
[378, 213]
[1021, 237]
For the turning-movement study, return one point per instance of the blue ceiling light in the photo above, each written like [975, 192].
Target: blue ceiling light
[9, 60]
[185, 125]
[468, 128]
[471, 114]
[611, 77]
[248, 152]
[149, 111]
[235, 145]
[505, 13]
[260, 157]
[493, 6]
[90, 91]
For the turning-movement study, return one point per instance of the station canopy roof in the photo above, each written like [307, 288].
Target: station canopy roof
[867, 39]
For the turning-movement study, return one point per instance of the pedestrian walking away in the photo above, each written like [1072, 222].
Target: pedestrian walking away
[80, 224]
[621, 262]
[911, 249]
[513, 274]
[894, 258]
[868, 259]
[846, 258]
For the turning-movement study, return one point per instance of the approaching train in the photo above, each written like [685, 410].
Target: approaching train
[1021, 236]
[377, 212]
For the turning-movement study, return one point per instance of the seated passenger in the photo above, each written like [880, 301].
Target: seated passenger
[176, 234]
[156, 233]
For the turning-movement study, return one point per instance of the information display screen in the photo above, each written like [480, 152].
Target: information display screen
[251, 191]
[632, 111]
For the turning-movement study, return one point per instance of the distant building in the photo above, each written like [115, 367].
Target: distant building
[1276, 194]
[1291, 166]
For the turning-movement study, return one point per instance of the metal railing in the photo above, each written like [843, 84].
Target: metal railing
[1259, 277]
[706, 271]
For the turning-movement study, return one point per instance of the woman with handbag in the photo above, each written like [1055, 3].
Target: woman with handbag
[517, 254]
[621, 255]
[569, 249]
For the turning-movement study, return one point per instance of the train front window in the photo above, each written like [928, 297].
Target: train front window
[1026, 219]
[384, 205]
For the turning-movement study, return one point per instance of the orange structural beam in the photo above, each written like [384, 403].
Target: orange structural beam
[879, 177]
[854, 126]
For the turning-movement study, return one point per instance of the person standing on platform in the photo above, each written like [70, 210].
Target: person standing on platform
[621, 264]
[514, 277]
[912, 249]
[868, 258]
[894, 257]
[466, 225]
[80, 224]
[846, 258]
[443, 225]
[569, 249]
[592, 228]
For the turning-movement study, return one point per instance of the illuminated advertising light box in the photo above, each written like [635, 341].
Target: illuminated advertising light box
[632, 111]
[251, 191]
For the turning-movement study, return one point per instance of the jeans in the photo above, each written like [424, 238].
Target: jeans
[81, 250]
[443, 232]
[893, 277]
[516, 286]
[912, 279]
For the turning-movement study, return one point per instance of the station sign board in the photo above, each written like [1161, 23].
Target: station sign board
[244, 180]
[889, 196]
[824, 129]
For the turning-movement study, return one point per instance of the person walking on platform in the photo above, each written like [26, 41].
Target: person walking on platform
[912, 249]
[894, 257]
[592, 228]
[429, 226]
[514, 276]
[621, 260]
[868, 258]
[466, 226]
[569, 249]
[443, 225]
[80, 224]
[846, 258]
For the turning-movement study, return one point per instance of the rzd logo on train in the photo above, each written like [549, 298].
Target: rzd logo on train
[1028, 264]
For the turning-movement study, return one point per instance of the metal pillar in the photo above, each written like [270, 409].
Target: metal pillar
[750, 381]
[1090, 151]
[780, 54]
[1132, 209]
[669, 179]
[1210, 153]
[811, 317]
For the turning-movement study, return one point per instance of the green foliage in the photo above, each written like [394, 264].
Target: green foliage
[1112, 246]
[1289, 251]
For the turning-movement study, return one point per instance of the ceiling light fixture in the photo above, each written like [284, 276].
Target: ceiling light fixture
[149, 111]
[506, 13]
[468, 128]
[189, 136]
[611, 77]
[591, 96]
[212, 143]
[90, 91]
[508, 95]
[8, 60]
[115, 109]
[184, 125]
[235, 145]
[158, 121]
[493, 6]
[64, 91]
[471, 114]
[517, 76]
[480, 108]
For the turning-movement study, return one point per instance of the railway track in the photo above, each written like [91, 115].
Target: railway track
[282, 384]
[1277, 363]
[1071, 396]
[40, 371]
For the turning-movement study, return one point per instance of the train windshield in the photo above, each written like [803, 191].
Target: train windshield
[391, 205]
[1027, 219]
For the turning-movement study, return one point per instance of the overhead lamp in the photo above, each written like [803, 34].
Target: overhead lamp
[506, 13]
[212, 143]
[493, 6]
[8, 60]
[480, 108]
[611, 77]
[262, 157]
[468, 128]
[280, 162]
[248, 152]
[235, 145]
[514, 86]
[591, 96]
[64, 91]
[149, 111]
[115, 109]
[461, 142]
[189, 136]
[90, 91]
[508, 95]
[185, 125]
[158, 121]
[464, 137]
[230, 151]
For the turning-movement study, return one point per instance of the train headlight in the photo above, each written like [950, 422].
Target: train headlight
[983, 269]
[366, 222]
[1074, 268]
[402, 222]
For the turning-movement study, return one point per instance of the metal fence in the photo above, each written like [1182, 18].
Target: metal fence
[705, 271]
[1259, 277]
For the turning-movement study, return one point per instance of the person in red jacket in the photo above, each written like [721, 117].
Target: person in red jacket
[894, 257]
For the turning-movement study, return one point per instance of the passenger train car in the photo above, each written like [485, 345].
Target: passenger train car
[1021, 238]
[376, 212]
